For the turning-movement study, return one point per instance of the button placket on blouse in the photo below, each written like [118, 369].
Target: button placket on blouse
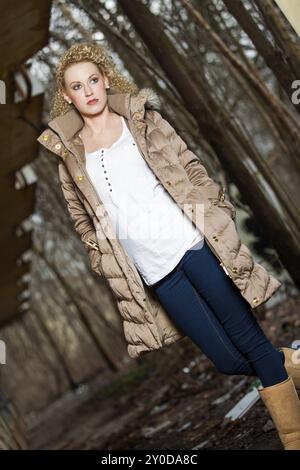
[106, 176]
[105, 171]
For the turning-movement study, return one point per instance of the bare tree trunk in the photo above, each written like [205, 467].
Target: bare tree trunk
[282, 33]
[273, 57]
[60, 357]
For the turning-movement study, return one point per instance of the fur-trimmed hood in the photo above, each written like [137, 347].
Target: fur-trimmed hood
[152, 99]
[126, 104]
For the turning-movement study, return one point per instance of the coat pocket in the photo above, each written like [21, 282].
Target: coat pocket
[224, 204]
[91, 243]
[227, 207]
[95, 261]
[94, 255]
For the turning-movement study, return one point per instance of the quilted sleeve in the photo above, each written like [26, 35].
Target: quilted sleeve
[196, 172]
[82, 221]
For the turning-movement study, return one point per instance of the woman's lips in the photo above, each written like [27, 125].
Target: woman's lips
[93, 101]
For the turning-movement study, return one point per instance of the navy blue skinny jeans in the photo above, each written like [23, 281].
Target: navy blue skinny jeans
[209, 308]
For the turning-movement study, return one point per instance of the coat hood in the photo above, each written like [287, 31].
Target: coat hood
[127, 104]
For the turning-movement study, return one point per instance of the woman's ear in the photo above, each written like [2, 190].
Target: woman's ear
[67, 98]
[106, 81]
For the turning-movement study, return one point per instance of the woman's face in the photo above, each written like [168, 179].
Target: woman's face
[83, 83]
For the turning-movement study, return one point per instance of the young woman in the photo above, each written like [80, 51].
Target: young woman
[124, 169]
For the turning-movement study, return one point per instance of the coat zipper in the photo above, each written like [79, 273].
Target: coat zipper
[89, 242]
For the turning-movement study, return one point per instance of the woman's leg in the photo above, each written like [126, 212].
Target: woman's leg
[192, 314]
[233, 312]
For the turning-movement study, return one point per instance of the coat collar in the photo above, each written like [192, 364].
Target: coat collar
[128, 105]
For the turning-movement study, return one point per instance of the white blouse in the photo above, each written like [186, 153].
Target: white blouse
[148, 223]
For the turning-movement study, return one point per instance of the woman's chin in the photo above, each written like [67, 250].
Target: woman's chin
[91, 110]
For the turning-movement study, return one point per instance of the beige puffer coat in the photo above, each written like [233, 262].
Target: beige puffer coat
[146, 324]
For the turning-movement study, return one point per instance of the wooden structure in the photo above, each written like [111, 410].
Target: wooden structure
[24, 26]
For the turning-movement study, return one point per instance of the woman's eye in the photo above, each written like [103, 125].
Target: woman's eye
[76, 87]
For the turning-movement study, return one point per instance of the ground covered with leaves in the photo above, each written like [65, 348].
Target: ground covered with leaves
[170, 399]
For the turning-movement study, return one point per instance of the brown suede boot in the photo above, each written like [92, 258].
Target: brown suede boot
[292, 364]
[283, 404]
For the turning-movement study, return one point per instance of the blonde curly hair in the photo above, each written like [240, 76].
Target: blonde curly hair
[82, 52]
